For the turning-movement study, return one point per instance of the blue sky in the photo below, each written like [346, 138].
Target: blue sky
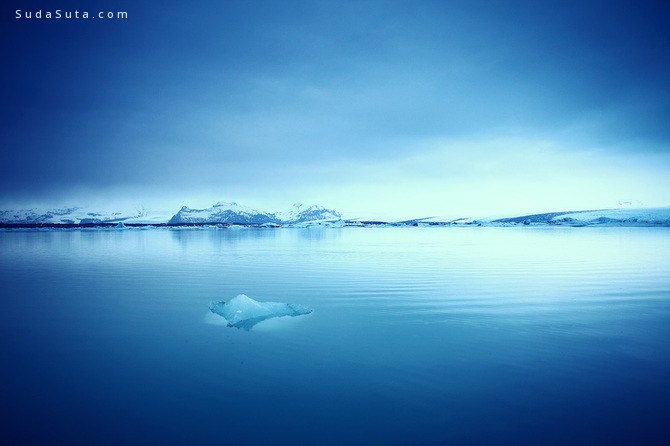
[376, 108]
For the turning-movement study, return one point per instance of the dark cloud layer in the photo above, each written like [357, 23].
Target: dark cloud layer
[214, 93]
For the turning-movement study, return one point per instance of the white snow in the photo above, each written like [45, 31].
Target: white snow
[224, 212]
[309, 216]
[70, 215]
[617, 217]
[300, 212]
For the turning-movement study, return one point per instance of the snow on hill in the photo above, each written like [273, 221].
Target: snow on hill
[234, 213]
[617, 217]
[300, 213]
[223, 212]
[601, 217]
[68, 215]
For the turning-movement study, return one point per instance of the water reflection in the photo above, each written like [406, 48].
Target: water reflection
[252, 238]
[318, 233]
[427, 334]
[220, 238]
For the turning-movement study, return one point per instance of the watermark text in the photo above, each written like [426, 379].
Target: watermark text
[59, 14]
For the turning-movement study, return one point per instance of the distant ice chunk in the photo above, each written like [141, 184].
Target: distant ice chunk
[244, 312]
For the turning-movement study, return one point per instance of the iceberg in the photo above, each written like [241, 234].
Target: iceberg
[244, 312]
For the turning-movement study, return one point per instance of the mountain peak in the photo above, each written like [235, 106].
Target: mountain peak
[232, 212]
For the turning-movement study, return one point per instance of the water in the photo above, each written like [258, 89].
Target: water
[418, 336]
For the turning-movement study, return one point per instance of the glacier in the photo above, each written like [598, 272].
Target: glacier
[244, 312]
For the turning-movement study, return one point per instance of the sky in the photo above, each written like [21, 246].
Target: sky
[379, 109]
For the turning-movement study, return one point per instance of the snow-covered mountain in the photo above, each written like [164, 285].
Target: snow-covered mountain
[223, 212]
[601, 217]
[300, 213]
[616, 217]
[69, 215]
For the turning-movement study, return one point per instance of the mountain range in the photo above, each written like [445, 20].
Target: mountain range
[313, 215]
[68, 215]
[222, 212]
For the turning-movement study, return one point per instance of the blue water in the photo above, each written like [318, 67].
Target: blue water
[418, 336]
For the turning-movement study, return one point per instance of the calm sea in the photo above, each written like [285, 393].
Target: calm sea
[419, 336]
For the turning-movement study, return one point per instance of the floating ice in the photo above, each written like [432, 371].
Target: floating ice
[244, 312]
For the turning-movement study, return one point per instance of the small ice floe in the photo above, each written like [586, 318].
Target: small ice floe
[244, 312]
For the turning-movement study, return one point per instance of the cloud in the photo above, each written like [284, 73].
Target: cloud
[271, 101]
